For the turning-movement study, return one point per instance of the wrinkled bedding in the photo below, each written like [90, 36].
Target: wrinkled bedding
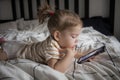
[105, 66]
[22, 69]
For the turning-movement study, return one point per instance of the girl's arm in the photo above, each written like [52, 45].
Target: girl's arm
[62, 64]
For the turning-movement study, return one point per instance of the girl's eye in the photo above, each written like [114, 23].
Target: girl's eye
[74, 36]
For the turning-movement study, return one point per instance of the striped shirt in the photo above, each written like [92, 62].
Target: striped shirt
[39, 51]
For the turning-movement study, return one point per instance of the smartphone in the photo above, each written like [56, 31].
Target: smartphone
[91, 54]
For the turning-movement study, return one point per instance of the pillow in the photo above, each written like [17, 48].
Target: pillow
[90, 39]
[8, 26]
[33, 23]
[27, 25]
[29, 34]
[20, 24]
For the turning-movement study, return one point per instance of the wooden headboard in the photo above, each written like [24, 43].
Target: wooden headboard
[14, 4]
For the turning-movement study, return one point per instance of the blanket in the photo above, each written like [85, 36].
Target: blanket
[105, 66]
[22, 69]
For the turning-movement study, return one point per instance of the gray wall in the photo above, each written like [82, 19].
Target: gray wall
[97, 8]
[117, 20]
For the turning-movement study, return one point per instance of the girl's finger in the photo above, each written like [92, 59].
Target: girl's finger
[62, 50]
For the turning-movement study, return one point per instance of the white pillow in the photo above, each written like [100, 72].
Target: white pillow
[34, 34]
[8, 26]
[91, 39]
[33, 23]
[27, 25]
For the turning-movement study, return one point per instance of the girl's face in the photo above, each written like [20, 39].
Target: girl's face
[69, 37]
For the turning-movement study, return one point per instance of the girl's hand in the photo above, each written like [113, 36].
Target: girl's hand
[68, 51]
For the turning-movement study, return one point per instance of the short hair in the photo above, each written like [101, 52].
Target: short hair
[59, 19]
[63, 19]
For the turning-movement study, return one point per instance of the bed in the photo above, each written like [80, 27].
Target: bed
[105, 66]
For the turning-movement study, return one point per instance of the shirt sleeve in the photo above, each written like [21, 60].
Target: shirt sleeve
[52, 51]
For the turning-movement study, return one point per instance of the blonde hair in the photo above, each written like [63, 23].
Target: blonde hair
[60, 19]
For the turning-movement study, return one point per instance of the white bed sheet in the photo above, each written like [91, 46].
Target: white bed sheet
[101, 68]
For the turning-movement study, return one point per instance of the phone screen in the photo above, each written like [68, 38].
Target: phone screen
[91, 54]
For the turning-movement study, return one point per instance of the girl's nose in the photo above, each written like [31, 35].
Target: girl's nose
[76, 41]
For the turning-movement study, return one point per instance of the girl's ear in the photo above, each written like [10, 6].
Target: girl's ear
[56, 35]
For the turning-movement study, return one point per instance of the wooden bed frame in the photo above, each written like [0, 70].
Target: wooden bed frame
[109, 20]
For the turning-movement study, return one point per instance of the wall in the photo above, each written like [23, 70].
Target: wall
[96, 8]
[99, 8]
[117, 20]
[5, 9]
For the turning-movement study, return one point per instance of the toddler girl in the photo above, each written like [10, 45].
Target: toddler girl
[58, 50]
